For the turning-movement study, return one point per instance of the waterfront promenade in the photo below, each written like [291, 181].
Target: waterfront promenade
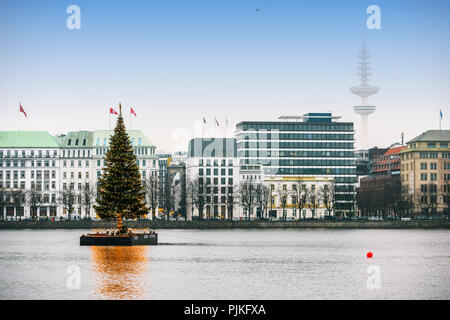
[227, 224]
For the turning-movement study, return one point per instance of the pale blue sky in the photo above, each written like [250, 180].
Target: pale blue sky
[177, 61]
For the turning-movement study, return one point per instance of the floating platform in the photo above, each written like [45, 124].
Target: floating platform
[133, 239]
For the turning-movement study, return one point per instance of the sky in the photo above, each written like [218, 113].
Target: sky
[177, 61]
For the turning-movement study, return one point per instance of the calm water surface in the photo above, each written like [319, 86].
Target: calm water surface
[228, 264]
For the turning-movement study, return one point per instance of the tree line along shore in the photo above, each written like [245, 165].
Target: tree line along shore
[227, 224]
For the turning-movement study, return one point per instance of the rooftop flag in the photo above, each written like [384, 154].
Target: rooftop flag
[132, 112]
[112, 111]
[23, 111]
[204, 120]
[441, 113]
[217, 122]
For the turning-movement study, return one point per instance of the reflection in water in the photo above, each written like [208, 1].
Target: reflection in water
[120, 271]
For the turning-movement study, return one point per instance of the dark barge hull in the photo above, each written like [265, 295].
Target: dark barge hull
[140, 239]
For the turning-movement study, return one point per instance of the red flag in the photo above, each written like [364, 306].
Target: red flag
[112, 111]
[132, 112]
[23, 111]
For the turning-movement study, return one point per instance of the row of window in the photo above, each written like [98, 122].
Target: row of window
[201, 171]
[24, 153]
[215, 181]
[296, 153]
[215, 162]
[428, 155]
[433, 165]
[295, 145]
[294, 136]
[15, 174]
[297, 126]
[72, 153]
[23, 163]
[72, 186]
[310, 171]
[318, 162]
[424, 176]
[38, 185]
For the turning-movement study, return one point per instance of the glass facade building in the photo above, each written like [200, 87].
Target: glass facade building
[316, 146]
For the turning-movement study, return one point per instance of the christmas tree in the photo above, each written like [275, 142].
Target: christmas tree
[121, 192]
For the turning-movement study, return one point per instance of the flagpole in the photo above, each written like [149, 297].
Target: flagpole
[20, 104]
[226, 128]
[203, 127]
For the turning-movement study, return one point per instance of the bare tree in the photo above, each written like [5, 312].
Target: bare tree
[68, 199]
[183, 196]
[247, 196]
[89, 193]
[406, 201]
[197, 195]
[262, 198]
[210, 197]
[427, 198]
[34, 200]
[312, 200]
[230, 200]
[300, 194]
[446, 198]
[283, 194]
[327, 193]
[190, 197]
[3, 199]
[169, 195]
[152, 193]
[19, 200]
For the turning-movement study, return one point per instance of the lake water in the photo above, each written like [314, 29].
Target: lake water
[229, 264]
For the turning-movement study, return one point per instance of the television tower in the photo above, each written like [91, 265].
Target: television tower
[364, 90]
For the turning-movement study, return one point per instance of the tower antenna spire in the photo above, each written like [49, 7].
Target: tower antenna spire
[364, 90]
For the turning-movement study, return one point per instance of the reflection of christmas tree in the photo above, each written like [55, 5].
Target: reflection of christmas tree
[121, 192]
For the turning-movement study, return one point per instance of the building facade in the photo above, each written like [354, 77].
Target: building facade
[212, 174]
[317, 146]
[298, 198]
[29, 160]
[62, 167]
[425, 171]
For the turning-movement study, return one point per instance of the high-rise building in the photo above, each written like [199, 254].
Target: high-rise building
[317, 146]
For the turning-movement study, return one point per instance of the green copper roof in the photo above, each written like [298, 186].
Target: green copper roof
[77, 139]
[432, 136]
[27, 139]
[101, 138]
